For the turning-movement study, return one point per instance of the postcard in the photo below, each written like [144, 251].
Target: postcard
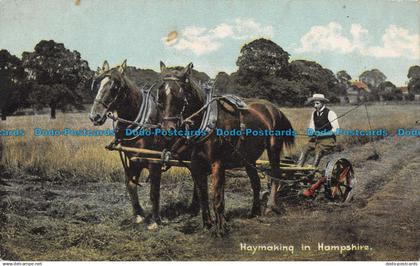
[275, 130]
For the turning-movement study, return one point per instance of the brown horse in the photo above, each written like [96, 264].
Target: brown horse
[180, 97]
[118, 94]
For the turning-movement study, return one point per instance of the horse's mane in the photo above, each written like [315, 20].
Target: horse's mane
[130, 83]
[132, 87]
[196, 89]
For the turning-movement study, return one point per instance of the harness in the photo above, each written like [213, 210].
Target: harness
[208, 123]
[143, 117]
[210, 111]
[235, 101]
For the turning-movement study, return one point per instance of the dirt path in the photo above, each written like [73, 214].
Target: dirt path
[52, 219]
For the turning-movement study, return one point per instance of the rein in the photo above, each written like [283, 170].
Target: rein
[188, 120]
[142, 116]
[141, 120]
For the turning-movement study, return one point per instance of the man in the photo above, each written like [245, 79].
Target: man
[322, 126]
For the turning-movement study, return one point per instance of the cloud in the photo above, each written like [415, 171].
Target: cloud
[222, 31]
[328, 38]
[201, 40]
[396, 41]
[249, 28]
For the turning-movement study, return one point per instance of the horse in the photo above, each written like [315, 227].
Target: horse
[182, 101]
[118, 94]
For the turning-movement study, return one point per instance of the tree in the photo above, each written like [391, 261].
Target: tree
[222, 83]
[389, 91]
[272, 88]
[11, 79]
[315, 78]
[262, 57]
[286, 92]
[413, 72]
[264, 72]
[343, 77]
[142, 77]
[261, 65]
[344, 81]
[373, 78]
[59, 77]
[414, 79]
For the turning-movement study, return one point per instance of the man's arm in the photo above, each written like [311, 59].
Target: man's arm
[332, 117]
[311, 127]
[311, 122]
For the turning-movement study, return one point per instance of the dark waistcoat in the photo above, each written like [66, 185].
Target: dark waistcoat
[322, 123]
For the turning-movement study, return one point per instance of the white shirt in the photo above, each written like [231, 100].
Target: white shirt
[332, 117]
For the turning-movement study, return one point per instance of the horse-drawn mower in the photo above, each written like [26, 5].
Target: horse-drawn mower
[337, 178]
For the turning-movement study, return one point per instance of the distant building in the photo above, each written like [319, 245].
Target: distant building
[357, 92]
[405, 92]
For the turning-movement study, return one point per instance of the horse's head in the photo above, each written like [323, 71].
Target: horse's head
[110, 87]
[174, 95]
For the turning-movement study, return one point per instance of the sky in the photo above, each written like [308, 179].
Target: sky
[354, 35]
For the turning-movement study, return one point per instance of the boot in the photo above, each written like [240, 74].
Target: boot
[310, 192]
[302, 158]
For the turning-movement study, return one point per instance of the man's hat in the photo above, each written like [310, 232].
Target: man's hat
[318, 97]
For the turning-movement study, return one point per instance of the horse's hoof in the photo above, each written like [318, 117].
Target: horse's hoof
[152, 226]
[138, 219]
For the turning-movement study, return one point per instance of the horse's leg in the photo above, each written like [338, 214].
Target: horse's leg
[200, 182]
[256, 188]
[203, 196]
[132, 174]
[274, 158]
[218, 182]
[154, 177]
[194, 208]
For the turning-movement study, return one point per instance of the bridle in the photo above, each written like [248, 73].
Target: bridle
[179, 119]
[109, 105]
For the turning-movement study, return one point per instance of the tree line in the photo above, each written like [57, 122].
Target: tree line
[265, 71]
[50, 76]
[56, 77]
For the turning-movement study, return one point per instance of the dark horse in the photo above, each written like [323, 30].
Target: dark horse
[181, 97]
[118, 94]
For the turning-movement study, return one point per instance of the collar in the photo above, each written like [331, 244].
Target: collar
[318, 113]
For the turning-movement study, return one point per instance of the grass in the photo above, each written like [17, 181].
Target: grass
[91, 221]
[85, 157]
[55, 156]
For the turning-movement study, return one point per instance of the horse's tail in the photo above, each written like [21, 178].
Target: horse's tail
[285, 125]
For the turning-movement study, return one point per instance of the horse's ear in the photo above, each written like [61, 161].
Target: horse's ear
[123, 66]
[98, 70]
[105, 66]
[162, 66]
[188, 69]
